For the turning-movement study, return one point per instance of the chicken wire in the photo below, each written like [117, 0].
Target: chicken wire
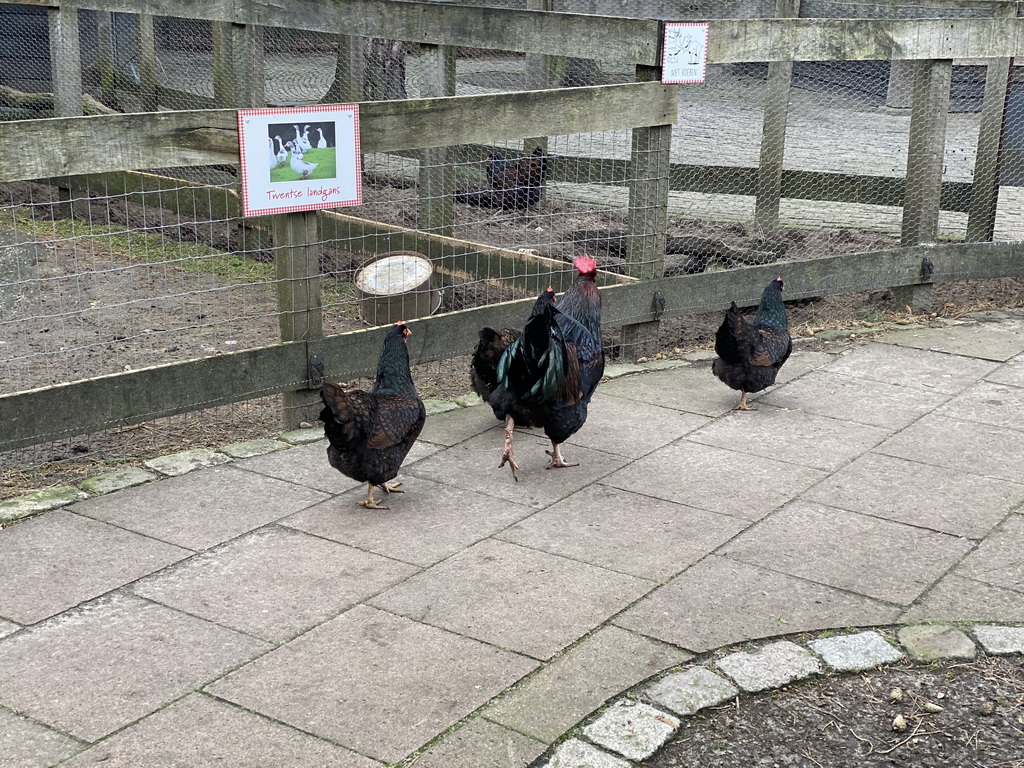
[98, 281]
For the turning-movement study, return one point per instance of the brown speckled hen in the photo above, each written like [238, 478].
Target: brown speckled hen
[370, 433]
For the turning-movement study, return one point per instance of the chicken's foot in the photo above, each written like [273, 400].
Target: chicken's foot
[506, 455]
[556, 458]
[370, 502]
[743, 404]
[391, 488]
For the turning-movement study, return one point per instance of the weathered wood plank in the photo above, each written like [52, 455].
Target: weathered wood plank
[66, 59]
[559, 34]
[130, 398]
[210, 137]
[740, 40]
[925, 153]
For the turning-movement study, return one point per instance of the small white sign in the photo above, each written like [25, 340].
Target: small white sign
[299, 158]
[685, 58]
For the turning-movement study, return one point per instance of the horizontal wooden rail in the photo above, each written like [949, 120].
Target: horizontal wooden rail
[559, 34]
[133, 397]
[38, 149]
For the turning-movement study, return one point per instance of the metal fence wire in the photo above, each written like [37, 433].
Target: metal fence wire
[115, 272]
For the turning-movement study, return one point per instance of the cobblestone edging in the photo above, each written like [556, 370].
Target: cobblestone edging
[636, 725]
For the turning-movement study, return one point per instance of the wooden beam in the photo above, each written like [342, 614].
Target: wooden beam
[432, 71]
[65, 61]
[130, 398]
[210, 137]
[503, 29]
[926, 152]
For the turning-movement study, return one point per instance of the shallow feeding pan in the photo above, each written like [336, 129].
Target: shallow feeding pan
[396, 286]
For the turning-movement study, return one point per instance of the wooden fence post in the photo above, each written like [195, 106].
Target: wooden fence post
[149, 90]
[647, 220]
[66, 80]
[349, 69]
[981, 215]
[432, 71]
[773, 135]
[539, 74]
[238, 72]
[300, 317]
[925, 155]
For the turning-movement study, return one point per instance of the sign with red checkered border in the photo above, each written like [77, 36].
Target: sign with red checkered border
[684, 52]
[299, 158]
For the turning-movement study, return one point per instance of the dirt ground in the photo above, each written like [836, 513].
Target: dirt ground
[966, 714]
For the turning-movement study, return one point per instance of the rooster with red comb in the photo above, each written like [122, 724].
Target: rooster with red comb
[545, 375]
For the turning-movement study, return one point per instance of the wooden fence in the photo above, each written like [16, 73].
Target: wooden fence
[646, 107]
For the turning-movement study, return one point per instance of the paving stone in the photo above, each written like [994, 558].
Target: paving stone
[700, 354]
[941, 499]
[468, 401]
[607, 527]
[810, 440]
[1000, 641]
[667, 365]
[618, 434]
[556, 601]
[302, 436]
[116, 481]
[304, 465]
[482, 744]
[873, 557]
[773, 666]
[201, 732]
[1011, 372]
[24, 744]
[720, 601]
[379, 684]
[800, 363]
[99, 668]
[958, 599]
[988, 341]
[201, 510]
[428, 523]
[455, 426]
[988, 403]
[577, 682]
[574, 753]
[615, 370]
[250, 448]
[7, 627]
[691, 389]
[849, 398]
[913, 368]
[632, 728]
[961, 445]
[38, 501]
[690, 691]
[715, 479]
[853, 653]
[473, 466]
[434, 407]
[998, 560]
[175, 464]
[936, 642]
[55, 561]
[273, 583]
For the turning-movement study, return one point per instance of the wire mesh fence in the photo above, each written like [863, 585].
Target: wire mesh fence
[99, 276]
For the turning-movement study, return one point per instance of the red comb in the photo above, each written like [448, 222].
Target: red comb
[584, 263]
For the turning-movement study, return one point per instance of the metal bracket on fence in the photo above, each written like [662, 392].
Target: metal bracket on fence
[658, 304]
[315, 372]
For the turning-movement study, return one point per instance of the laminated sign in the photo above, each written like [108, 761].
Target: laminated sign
[299, 158]
[685, 57]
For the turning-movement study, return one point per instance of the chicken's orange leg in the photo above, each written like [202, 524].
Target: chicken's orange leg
[391, 487]
[370, 502]
[507, 456]
[556, 458]
[743, 404]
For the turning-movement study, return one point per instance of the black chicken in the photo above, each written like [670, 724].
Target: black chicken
[370, 433]
[751, 354]
[545, 375]
[517, 183]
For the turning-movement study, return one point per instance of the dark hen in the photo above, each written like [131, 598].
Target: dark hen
[517, 183]
[750, 354]
[370, 433]
[483, 369]
[547, 374]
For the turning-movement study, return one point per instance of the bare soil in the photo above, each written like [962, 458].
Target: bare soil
[955, 715]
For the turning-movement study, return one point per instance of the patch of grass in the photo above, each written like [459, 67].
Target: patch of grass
[152, 248]
[326, 166]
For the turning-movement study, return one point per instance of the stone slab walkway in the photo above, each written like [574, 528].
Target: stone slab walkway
[248, 613]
